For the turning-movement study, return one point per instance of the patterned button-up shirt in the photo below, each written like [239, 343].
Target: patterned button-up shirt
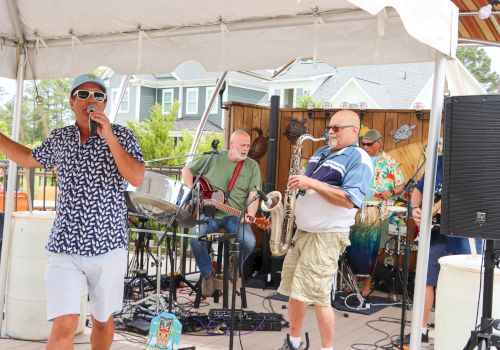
[387, 176]
[91, 214]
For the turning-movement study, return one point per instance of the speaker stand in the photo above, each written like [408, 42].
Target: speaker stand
[484, 338]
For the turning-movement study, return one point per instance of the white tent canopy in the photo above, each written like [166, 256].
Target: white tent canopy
[63, 38]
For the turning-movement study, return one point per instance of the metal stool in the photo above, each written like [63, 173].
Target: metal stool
[223, 253]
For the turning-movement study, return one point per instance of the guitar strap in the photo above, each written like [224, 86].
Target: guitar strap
[235, 176]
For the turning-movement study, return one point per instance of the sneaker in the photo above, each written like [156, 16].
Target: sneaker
[207, 286]
[287, 346]
[425, 338]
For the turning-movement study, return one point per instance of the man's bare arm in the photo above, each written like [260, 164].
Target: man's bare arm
[18, 153]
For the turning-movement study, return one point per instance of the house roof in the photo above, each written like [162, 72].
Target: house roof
[193, 70]
[305, 69]
[192, 124]
[391, 86]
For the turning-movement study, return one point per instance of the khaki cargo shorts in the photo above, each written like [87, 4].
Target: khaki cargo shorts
[310, 266]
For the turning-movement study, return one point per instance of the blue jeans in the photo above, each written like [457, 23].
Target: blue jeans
[200, 250]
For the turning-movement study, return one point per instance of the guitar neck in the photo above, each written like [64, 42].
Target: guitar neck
[226, 208]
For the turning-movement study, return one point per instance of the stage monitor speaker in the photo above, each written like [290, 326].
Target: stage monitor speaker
[471, 167]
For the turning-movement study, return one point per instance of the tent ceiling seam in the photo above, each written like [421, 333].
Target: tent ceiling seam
[302, 19]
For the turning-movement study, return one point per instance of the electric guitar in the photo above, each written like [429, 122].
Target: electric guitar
[216, 198]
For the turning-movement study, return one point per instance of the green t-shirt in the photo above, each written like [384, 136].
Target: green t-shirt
[219, 173]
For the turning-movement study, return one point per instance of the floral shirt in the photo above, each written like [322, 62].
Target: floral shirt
[91, 215]
[387, 176]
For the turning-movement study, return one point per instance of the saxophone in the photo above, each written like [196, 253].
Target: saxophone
[282, 216]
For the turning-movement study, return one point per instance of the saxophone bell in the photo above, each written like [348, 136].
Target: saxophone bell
[282, 214]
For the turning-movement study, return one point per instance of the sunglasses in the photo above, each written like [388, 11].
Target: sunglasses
[84, 94]
[369, 144]
[336, 128]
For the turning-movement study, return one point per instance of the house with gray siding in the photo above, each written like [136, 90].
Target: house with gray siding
[392, 86]
[192, 86]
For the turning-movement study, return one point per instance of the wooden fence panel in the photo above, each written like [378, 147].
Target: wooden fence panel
[247, 117]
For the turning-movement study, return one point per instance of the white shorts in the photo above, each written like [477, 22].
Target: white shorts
[69, 275]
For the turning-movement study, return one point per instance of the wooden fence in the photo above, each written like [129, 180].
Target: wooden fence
[248, 117]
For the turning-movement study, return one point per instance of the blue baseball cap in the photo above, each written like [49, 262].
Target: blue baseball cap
[87, 78]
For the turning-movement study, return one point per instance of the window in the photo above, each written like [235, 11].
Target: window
[298, 94]
[215, 105]
[125, 104]
[192, 101]
[167, 100]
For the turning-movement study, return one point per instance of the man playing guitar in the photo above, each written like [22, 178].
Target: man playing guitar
[237, 176]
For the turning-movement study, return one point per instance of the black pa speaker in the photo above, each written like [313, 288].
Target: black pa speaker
[471, 167]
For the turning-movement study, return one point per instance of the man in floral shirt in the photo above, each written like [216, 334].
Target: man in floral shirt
[387, 183]
[388, 180]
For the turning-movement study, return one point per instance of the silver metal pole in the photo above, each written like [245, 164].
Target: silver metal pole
[118, 99]
[12, 176]
[204, 118]
[158, 278]
[428, 200]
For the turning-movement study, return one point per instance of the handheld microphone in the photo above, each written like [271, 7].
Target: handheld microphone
[92, 124]
[263, 197]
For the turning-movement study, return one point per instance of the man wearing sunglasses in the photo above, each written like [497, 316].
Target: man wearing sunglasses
[335, 183]
[387, 183]
[88, 243]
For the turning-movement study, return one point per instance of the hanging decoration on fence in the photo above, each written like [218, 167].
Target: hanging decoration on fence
[259, 145]
[403, 133]
[295, 129]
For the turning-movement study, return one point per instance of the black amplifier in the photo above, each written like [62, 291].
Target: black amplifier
[249, 320]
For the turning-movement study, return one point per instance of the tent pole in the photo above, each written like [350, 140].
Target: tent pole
[12, 176]
[204, 118]
[428, 200]
[115, 107]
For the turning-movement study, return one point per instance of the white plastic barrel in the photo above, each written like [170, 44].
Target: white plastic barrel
[26, 297]
[457, 299]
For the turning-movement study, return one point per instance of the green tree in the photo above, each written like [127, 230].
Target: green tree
[303, 101]
[48, 96]
[154, 137]
[476, 60]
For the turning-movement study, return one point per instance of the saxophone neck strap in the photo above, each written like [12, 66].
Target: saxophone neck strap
[321, 160]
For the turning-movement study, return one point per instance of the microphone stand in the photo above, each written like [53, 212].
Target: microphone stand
[215, 151]
[236, 252]
[410, 185]
[168, 226]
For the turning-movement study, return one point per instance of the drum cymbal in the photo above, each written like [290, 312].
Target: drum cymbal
[157, 209]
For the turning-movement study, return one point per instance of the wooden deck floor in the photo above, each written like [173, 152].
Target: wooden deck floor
[355, 331]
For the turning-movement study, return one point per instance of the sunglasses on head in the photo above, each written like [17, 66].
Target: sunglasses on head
[99, 96]
[369, 144]
[336, 128]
